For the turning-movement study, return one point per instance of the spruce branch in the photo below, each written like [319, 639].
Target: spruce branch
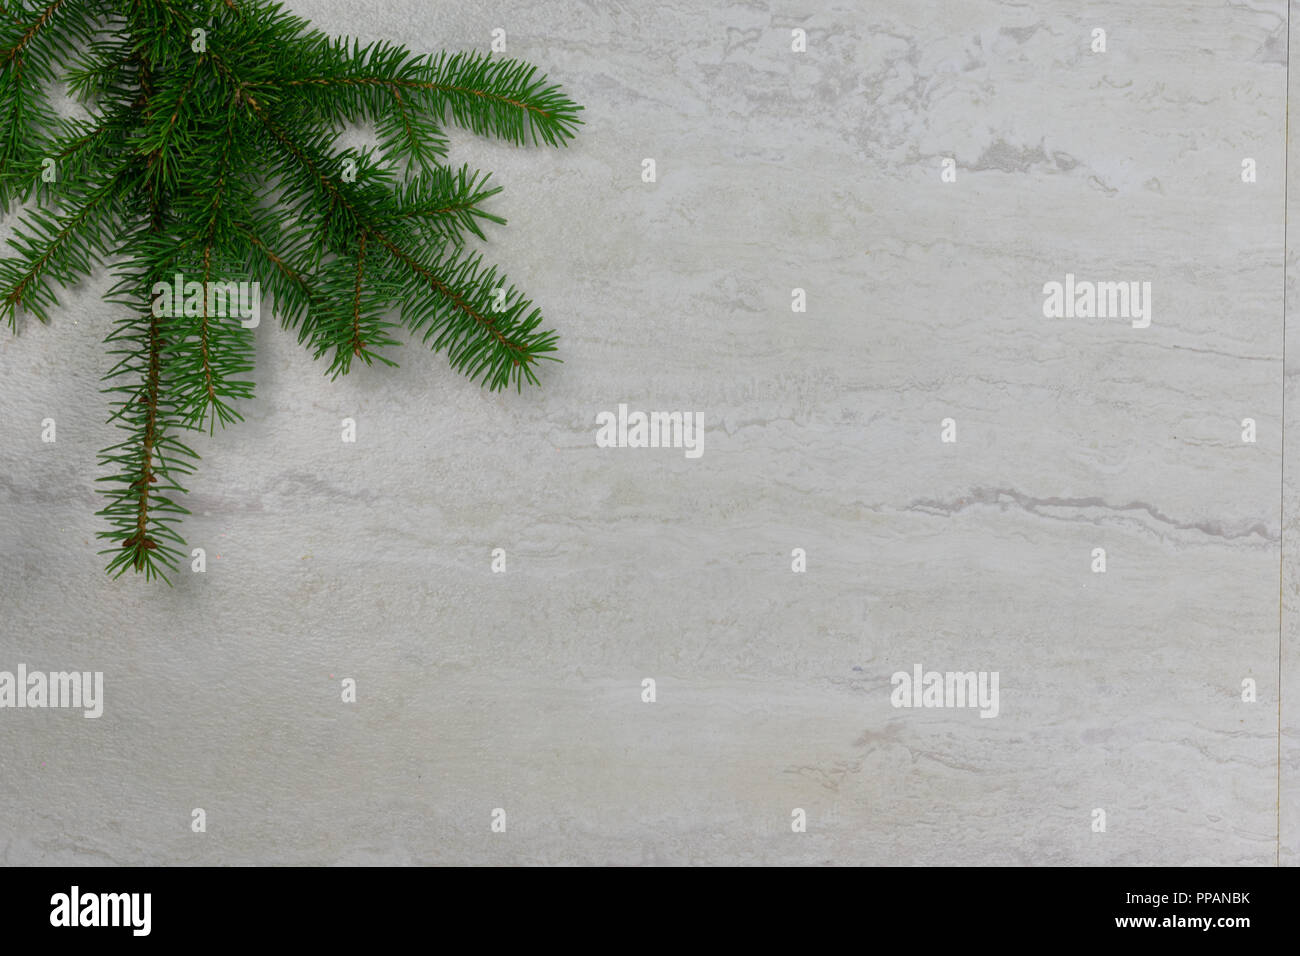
[495, 97]
[486, 328]
[445, 204]
[80, 146]
[14, 53]
[209, 163]
[452, 301]
[284, 271]
[57, 250]
[143, 511]
[34, 43]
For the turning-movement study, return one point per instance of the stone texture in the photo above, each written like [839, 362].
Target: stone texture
[776, 170]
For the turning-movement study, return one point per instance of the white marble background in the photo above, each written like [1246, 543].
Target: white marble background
[776, 170]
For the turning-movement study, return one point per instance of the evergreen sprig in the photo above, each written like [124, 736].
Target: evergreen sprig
[210, 150]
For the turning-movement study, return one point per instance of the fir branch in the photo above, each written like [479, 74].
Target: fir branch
[15, 52]
[57, 250]
[100, 70]
[207, 382]
[208, 354]
[81, 146]
[289, 285]
[494, 344]
[202, 163]
[485, 95]
[445, 204]
[142, 510]
[497, 350]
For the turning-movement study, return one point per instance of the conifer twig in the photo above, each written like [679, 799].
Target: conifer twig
[209, 168]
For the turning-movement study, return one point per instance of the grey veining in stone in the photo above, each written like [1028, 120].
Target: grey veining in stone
[776, 170]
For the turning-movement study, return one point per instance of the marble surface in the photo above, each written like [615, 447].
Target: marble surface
[1119, 691]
